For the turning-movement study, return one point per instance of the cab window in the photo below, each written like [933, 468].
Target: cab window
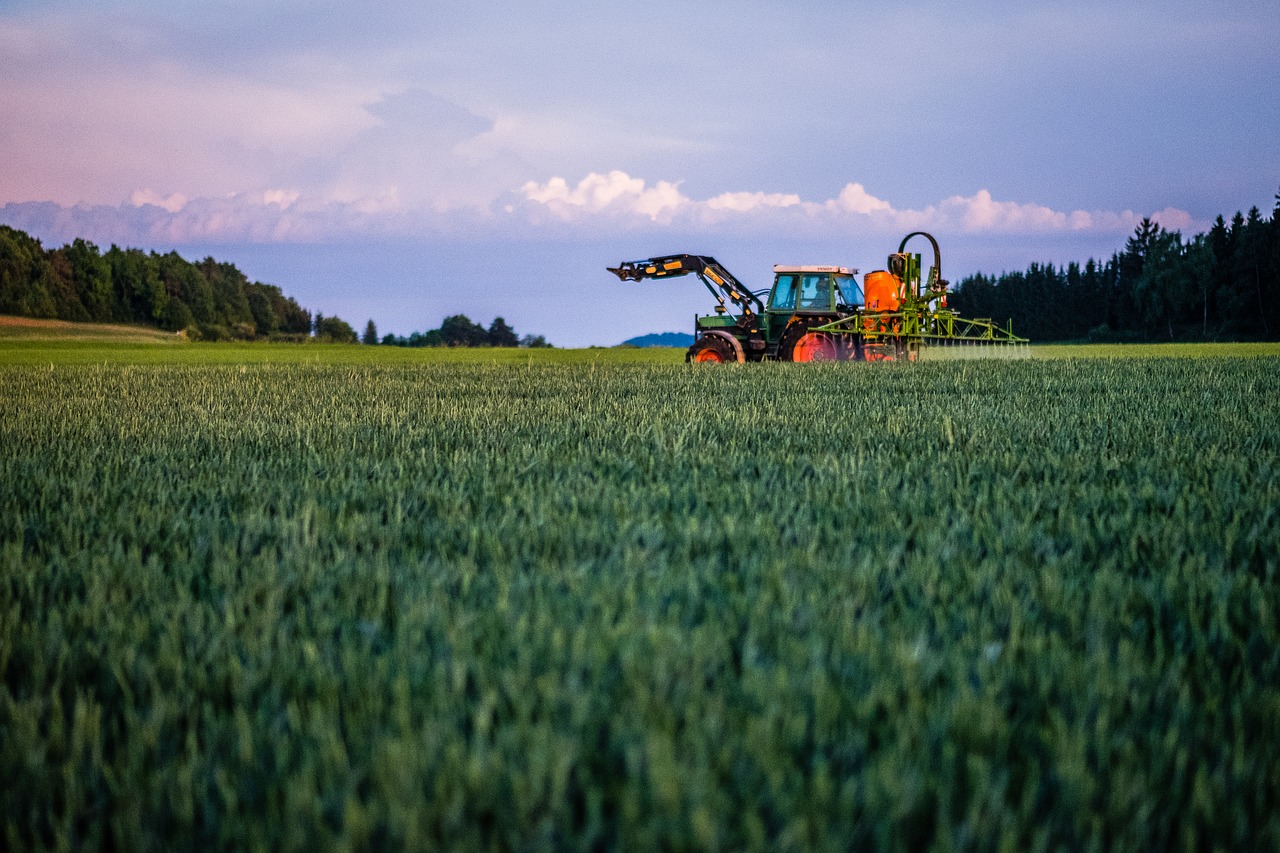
[784, 293]
[850, 290]
[815, 292]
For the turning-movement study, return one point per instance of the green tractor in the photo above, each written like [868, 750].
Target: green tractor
[823, 313]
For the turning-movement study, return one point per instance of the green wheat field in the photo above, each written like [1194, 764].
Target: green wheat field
[310, 598]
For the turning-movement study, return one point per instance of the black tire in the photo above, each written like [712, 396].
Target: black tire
[710, 349]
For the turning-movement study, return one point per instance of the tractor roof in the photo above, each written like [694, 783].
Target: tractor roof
[837, 270]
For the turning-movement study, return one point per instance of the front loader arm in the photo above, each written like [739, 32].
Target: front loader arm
[717, 279]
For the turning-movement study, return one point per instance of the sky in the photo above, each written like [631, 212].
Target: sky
[402, 162]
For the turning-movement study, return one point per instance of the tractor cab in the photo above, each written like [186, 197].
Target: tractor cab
[810, 290]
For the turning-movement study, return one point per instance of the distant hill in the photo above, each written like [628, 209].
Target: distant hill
[661, 339]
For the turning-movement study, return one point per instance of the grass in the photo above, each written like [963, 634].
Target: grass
[69, 353]
[371, 598]
[24, 341]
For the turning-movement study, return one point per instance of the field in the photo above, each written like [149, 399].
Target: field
[306, 597]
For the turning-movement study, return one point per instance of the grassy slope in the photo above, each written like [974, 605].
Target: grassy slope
[32, 330]
[28, 341]
[70, 353]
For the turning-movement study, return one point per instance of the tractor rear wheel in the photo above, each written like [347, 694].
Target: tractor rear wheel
[814, 346]
[803, 345]
[710, 349]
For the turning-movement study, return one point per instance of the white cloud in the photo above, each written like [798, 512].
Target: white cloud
[983, 213]
[743, 202]
[855, 199]
[616, 192]
[617, 196]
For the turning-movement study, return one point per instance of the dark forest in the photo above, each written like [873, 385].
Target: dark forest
[1224, 285]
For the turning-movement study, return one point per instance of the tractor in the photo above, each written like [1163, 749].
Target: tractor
[823, 313]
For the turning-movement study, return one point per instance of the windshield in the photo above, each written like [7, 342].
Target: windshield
[850, 291]
[784, 293]
[815, 292]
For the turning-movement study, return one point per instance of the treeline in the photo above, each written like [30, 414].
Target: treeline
[459, 331]
[1220, 285]
[208, 300]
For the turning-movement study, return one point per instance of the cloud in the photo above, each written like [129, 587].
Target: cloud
[1172, 219]
[744, 202]
[618, 197]
[81, 129]
[420, 165]
[422, 152]
[272, 217]
[855, 199]
[172, 202]
[610, 204]
[614, 193]
[280, 198]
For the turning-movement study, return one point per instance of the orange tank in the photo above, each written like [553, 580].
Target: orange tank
[882, 291]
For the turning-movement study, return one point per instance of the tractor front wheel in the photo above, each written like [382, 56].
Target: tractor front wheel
[710, 349]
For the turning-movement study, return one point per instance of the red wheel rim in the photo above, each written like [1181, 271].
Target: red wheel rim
[814, 346]
[709, 355]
